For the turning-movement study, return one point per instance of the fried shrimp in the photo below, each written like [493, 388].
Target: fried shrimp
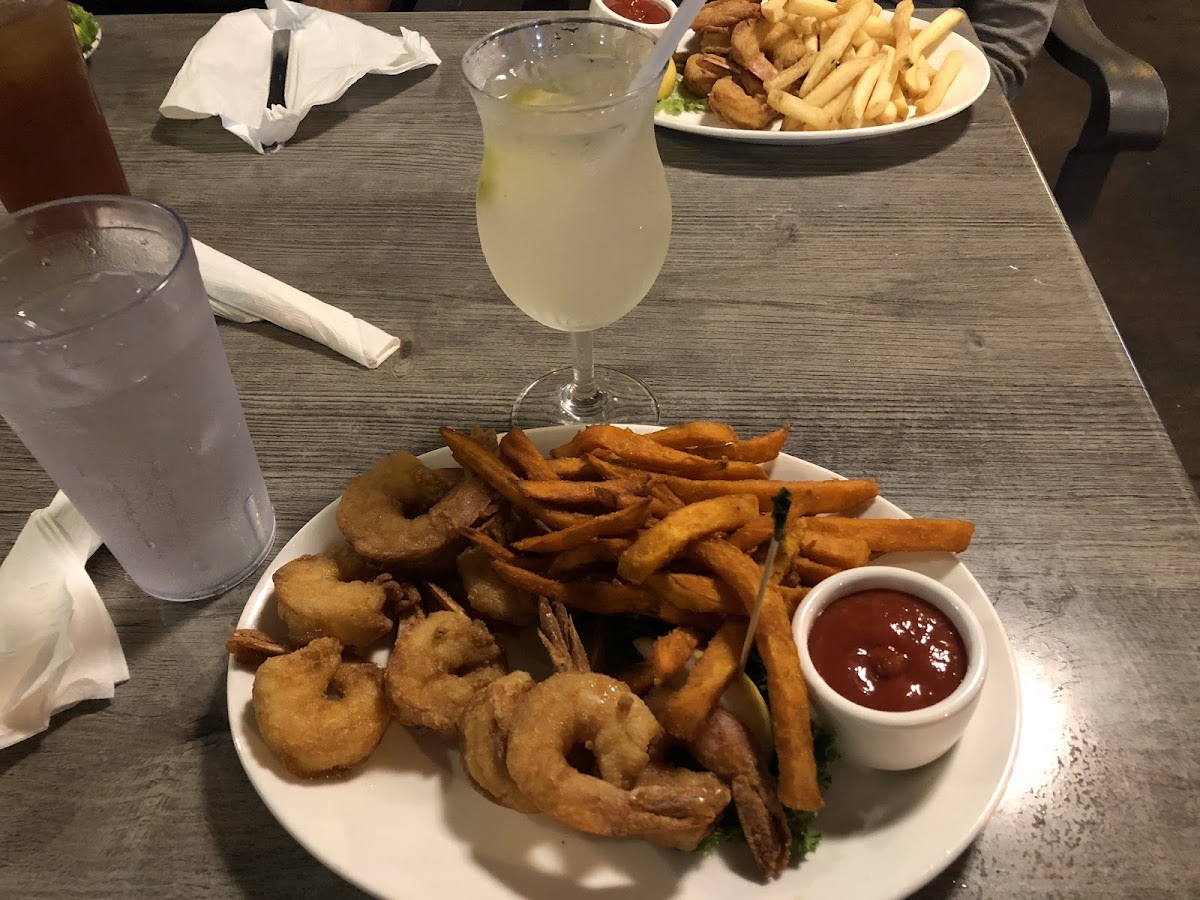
[438, 665]
[573, 711]
[732, 104]
[485, 730]
[311, 732]
[399, 513]
[489, 594]
[334, 594]
[250, 646]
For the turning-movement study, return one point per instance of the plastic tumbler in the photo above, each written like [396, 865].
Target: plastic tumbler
[114, 377]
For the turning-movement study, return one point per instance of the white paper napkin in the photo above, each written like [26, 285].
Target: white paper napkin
[227, 71]
[243, 294]
[58, 645]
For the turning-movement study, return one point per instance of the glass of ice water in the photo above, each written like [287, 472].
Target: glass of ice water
[114, 377]
[572, 205]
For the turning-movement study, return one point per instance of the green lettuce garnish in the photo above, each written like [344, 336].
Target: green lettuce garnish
[681, 100]
[86, 26]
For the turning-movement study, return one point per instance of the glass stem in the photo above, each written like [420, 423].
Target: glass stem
[582, 397]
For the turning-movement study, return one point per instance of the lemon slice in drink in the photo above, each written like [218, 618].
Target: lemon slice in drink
[528, 95]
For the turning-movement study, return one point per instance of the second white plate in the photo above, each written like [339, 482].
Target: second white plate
[971, 82]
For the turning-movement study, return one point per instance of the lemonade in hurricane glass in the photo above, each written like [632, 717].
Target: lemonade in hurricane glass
[572, 206]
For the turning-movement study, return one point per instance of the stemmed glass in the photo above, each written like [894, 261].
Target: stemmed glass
[572, 205]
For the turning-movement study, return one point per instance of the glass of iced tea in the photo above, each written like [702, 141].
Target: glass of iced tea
[54, 142]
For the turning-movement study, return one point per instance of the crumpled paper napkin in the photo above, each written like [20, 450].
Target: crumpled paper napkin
[227, 71]
[58, 645]
[243, 294]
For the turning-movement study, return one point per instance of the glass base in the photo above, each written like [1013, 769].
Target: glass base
[548, 401]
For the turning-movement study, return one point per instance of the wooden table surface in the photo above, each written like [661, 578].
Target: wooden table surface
[913, 305]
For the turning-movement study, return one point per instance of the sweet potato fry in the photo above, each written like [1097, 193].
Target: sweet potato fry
[697, 593]
[808, 497]
[602, 550]
[754, 533]
[798, 787]
[665, 496]
[570, 493]
[689, 707]
[672, 652]
[572, 468]
[494, 548]
[639, 450]
[791, 598]
[471, 455]
[602, 597]
[661, 543]
[891, 535]
[518, 449]
[794, 532]
[694, 434]
[809, 572]
[619, 522]
[834, 550]
[761, 449]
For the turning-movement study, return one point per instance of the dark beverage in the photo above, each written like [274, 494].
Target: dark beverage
[54, 142]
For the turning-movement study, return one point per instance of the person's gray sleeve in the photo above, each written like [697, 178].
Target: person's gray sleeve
[1012, 32]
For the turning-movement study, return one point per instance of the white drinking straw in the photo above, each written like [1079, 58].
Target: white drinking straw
[667, 42]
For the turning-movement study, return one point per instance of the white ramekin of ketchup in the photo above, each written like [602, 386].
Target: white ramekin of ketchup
[894, 663]
[651, 16]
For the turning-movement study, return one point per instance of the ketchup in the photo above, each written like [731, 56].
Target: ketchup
[645, 11]
[887, 650]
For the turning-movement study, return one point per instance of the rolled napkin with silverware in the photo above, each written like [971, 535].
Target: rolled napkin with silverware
[243, 294]
[58, 645]
[228, 72]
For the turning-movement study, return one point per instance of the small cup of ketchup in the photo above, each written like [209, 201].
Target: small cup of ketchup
[650, 16]
[894, 662]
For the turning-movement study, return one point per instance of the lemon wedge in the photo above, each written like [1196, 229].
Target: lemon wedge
[528, 95]
[668, 82]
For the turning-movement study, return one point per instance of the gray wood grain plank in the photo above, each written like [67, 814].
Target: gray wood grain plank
[913, 305]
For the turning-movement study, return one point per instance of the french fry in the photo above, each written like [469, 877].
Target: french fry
[832, 50]
[893, 535]
[817, 9]
[864, 86]
[661, 543]
[494, 548]
[518, 449]
[840, 79]
[793, 73]
[915, 83]
[619, 522]
[693, 434]
[878, 29]
[888, 116]
[941, 83]
[697, 593]
[926, 40]
[673, 651]
[868, 49]
[689, 707]
[571, 493]
[808, 497]
[798, 787]
[473, 456]
[901, 34]
[885, 82]
[773, 10]
[812, 42]
[901, 102]
[601, 550]
[845, 5]
[800, 110]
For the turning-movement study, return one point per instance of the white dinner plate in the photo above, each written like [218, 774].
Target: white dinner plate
[407, 824]
[968, 86]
